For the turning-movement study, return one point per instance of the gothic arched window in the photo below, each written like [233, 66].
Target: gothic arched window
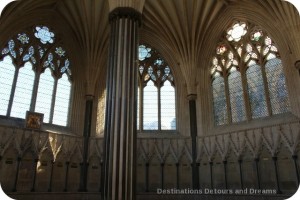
[156, 92]
[35, 76]
[247, 76]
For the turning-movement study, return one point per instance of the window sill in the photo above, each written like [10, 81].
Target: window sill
[256, 123]
[20, 123]
[158, 134]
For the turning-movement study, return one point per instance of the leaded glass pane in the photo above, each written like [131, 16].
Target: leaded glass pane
[23, 93]
[254, 48]
[144, 52]
[277, 87]
[236, 32]
[256, 92]
[219, 100]
[236, 97]
[7, 71]
[62, 101]
[155, 73]
[150, 107]
[44, 35]
[44, 95]
[37, 49]
[168, 111]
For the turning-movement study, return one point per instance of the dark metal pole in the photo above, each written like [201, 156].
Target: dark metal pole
[17, 174]
[241, 173]
[147, 177]
[177, 175]
[225, 173]
[276, 173]
[257, 172]
[86, 134]
[34, 174]
[295, 157]
[51, 176]
[66, 176]
[211, 175]
[162, 165]
[101, 177]
[193, 131]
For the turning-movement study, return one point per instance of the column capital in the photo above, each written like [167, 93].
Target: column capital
[89, 97]
[297, 64]
[192, 97]
[125, 12]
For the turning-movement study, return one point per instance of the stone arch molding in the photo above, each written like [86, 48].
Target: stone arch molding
[39, 143]
[237, 144]
[286, 135]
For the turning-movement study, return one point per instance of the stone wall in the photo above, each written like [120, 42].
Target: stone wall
[162, 162]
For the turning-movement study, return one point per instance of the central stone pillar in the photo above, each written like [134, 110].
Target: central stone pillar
[120, 121]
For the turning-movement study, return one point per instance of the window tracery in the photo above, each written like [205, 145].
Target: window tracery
[247, 76]
[35, 67]
[156, 92]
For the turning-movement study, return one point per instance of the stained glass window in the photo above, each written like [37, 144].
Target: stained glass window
[34, 62]
[248, 62]
[23, 93]
[62, 101]
[156, 95]
[237, 103]
[150, 107]
[167, 99]
[219, 100]
[256, 92]
[44, 95]
[44, 34]
[277, 88]
[7, 71]
[237, 31]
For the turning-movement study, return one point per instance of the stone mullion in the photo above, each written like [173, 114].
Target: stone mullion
[141, 105]
[13, 90]
[227, 95]
[53, 100]
[159, 107]
[120, 131]
[35, 91]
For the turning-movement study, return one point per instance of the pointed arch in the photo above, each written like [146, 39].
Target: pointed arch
[254, 85]
[34, 68]
[156, 92]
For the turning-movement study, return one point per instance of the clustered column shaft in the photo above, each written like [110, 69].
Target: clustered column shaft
[120, 126]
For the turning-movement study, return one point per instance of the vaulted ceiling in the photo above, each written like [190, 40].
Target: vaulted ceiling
[177, 28]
